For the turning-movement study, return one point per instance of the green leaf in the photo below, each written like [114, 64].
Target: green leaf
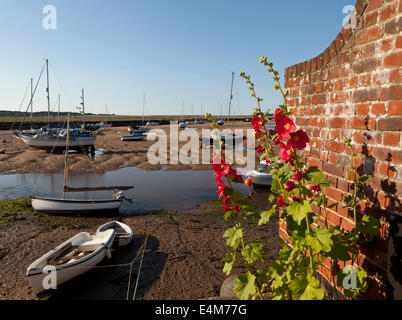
[234, 236]
[306, 288]
[244, 286]
[299, 210]
[254, 251]
[369, 225]
[266, 215]
[364, 178]
[319, 240]
[229, 260]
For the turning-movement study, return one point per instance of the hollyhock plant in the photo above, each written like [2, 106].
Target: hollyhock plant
[280, 201]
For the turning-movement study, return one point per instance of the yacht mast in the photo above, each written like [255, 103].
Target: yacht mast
[231, 96]
[83, 108]
[31, 100]
[66, 157]
[48, 93]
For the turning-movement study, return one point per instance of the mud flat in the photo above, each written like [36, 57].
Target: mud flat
[114, 153]
[183, 259]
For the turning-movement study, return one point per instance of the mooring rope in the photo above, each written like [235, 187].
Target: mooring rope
[139, 270]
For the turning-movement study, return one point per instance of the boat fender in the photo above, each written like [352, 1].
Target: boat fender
[108, 253]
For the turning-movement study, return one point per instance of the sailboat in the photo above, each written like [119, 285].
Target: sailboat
[63, 205]
[48, 138]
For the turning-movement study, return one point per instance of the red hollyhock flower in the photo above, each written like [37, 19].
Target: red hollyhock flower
[280, 201]
[248, 182]
[226, 209]
[260, 149]
[286, 152]
[278, 112]
[314, 187]
[236, 208]
[225, 199]
[298, 176]
[290, 186]
[257, 123]
[298, 140]
[267, 160]
[284, 126]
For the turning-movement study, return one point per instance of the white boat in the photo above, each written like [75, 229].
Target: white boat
[63, 205]
[133, 137]
[72, 258]
[260, 176]
[221, 122]
[137, 129]
[182, 125]
[49, 140]
[123, 233]
[70, 206]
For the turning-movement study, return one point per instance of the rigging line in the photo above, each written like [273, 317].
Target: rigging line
[139, 270]
[30, 102]
[41, 172]
[131, 268]
[60, 83]
[22, 102]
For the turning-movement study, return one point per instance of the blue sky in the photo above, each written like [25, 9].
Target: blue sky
[170, 50]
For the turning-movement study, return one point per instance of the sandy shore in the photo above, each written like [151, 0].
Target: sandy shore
[116, 154]
[183, 259]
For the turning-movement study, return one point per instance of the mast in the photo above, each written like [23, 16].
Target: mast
[58, 113]
[31, 100]
[66, 157]
[48, 93]
[83, 108]
[143, 109]
[231, 96]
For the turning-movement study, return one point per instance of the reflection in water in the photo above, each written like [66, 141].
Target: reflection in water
[153, 190]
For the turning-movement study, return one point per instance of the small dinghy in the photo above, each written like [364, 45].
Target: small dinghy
[123, 233]
[72, 258]
[134, 137]
[223, 137]
[260, 176]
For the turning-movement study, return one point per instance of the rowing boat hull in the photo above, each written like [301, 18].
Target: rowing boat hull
[68, 271]
[259, 179]
[59, 206]
[57, 142]
[133, 138]
[121, 240]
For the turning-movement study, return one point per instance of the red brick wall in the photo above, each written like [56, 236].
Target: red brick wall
[353, 90]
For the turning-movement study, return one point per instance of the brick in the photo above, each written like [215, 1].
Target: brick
[337, 122]
[363, 95]
[391, 93]
[395, 107]
[367, 65]
[367, 35]
[371, 19]
[386, 45]
[395, 76]
[333, 169]
[373, 4]
[394, 26]
[319, 99]
[378, 108]
[363, 109]
[393, 60]
[390, 124]
[391, 139]
[362, 123]
[398, 42]
[388, 12]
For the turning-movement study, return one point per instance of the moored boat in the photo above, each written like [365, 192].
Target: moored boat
[123, 233]
[72, 258]
[134, 137]
[260, 176]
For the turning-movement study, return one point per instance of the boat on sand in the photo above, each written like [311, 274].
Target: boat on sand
[72, 258]
[123, 233]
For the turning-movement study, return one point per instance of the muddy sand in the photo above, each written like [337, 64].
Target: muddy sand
[114, 154]
[184, 252]
[183, 258]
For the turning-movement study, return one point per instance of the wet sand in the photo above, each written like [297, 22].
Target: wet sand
[116, 154]
[183, 259]
[185, 248]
